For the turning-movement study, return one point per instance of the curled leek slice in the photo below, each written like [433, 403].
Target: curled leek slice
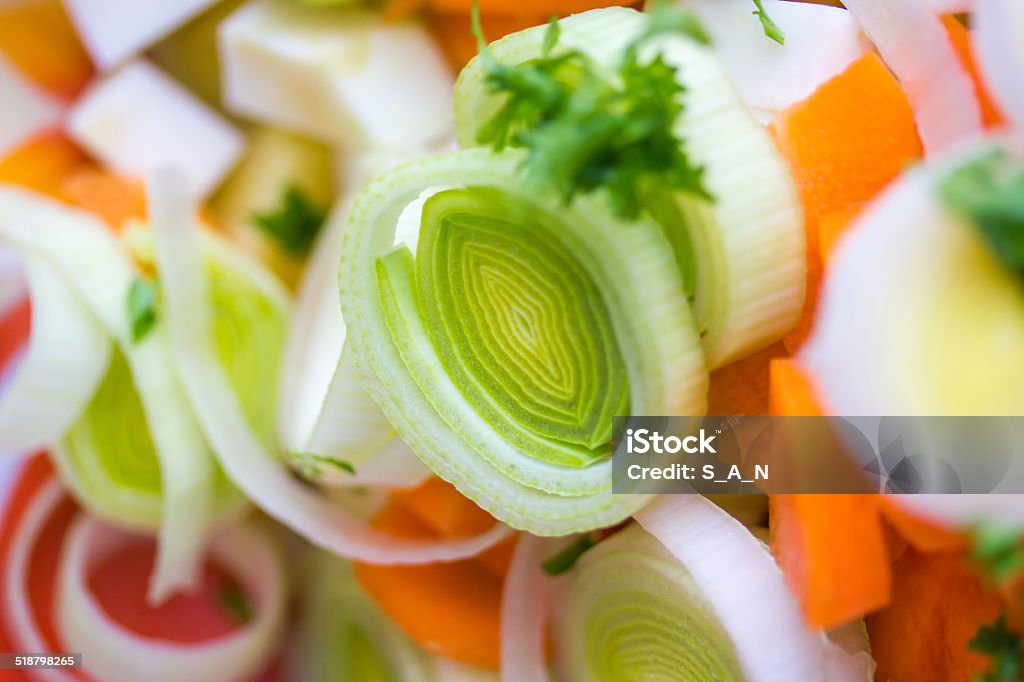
[347, 638]
[90, 258]
[503, 346]
[248, 461]
[51, 387]
[741, 256]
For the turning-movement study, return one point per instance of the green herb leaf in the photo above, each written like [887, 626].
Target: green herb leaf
[234, 602]
[999, 549]
[585, 128]
[143, 295]
[989, 191]
[1003, 647]
[295, 224]
[309, 464]
[567, 558]
[771, 29]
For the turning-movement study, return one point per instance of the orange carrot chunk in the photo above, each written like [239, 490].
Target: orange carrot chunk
[40, 41]
[938, 604]
[742, 386]
[43, 163]
[844, 143]
[451, 609]
[444, 510]
[990, 114]
[113, 198]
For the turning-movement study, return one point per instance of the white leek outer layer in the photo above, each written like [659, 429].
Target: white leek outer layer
[913, 42]
[747, 594]
[52, 386]
[243, 456]
[90, 258]
[642, 294]
[748, 245]
[114, 653]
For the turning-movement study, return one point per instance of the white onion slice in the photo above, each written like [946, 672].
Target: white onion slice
[913, 42]
[526, 602]
[52, 386]
[748, 593]
[21, 621]
[999, 25]
[114, 653]
[821, 41]
[243, 456]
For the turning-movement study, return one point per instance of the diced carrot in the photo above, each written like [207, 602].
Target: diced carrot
[844, 143]
[451, 609]
[922, 535]
[43, 163]
[112, 197]
[741, 388]
[37, 37]
[792, 392]
[990, 114]
[833, 552]
[938, 604]
[444, 510]
[832, 226]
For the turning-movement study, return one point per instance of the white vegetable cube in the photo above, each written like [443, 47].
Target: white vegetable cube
[24, 109]
[338, 74]
[115, 30]
[139, 119]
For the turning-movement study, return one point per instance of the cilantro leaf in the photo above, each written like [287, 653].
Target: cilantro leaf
[586, 128]
[1003, 647]
[998, 548]
[989, 191]
[234, 602]
[771, 29]
[567, 558]
[143, 295]
[309, 464]
[294, 224]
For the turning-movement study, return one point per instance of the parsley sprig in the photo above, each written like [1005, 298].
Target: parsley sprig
[771, 29]
[294, 224]
[585, 128]
[1003, 647]
[142, 304]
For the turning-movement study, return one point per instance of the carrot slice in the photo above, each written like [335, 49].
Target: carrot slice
[844, 143]
[444, 510]
[938, 605]
[42, 163]
[991, 116]
[451, 609]
[741, 388]
[831, 228]
[792, 392]
[453, 33]
[833, 552]
[41, 42]
[113, 198]
[922, 535]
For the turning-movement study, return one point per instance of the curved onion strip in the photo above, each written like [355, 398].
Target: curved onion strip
[52, 386]
[114, 653]
[244, 458]
[913, 42]
[821, 41]
[526, 601]
[21, 620]
[999, 25]
[91, 259]
[740, 580]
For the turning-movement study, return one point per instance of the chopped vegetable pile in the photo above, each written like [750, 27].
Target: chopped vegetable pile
[315, 316]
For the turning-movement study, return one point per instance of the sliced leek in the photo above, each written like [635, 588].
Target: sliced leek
[100, 272]
[740, 255]
[502, 347]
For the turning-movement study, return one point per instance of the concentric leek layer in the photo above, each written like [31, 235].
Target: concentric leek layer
[741, 256]
[501, 349]
[633, 613]
[349, 639]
